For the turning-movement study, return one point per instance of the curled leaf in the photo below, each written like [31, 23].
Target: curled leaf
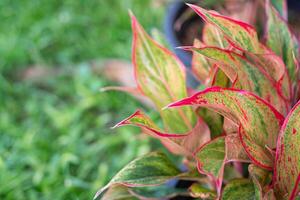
[185, 144]
[149, 170]
[199, 191]
[238, 189]
[259, 122]
[281, 40]
[287, 168]
[248, 76]
[260, 178]
[239, 34]
[213, 156]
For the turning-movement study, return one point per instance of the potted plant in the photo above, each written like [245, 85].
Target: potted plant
[182, 26]
[239, 137]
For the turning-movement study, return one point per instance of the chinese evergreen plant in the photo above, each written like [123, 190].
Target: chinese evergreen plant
[240, 136]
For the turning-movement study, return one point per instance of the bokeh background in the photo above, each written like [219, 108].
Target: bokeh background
[55, 136]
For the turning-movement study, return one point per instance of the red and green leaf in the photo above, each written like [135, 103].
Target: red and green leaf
[281, 40]
[211, 36]
[149, 170]
[213, 120]
[275, 68]
[239, 34]
[199, 191]
[259, 122]
[213, 156]
[185, 144]
[260, 178]
[238, 189]
[287, 168]
[248, 76]
[156, 70]
[281, 7]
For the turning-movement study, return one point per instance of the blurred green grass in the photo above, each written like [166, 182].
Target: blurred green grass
[55, 141]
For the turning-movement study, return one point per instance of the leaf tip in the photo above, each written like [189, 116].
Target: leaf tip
[186, 48]
[182, 102]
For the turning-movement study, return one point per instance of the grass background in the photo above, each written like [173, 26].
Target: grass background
[55, 141]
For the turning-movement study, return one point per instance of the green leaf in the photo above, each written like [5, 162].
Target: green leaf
[259, 122]
[248, 76]
[239, 189]
[213, 120]
[239, 34]
[118, 192]
[281, 7]
[281, 40]
[260, 178]
[149, 170]
[287, 169]
[199, 191]
[156, 70]
[185, 144]
[213, 156]
[276, 69]
[158, 192]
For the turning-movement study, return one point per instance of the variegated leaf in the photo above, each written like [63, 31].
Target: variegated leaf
[238, 189]
[275, 68]
[260, 178]
[185, 144]
[201, 67]
[149, 170]
[239, 34]
[213, 156]
[281, 40]
[118, 192]
[199, 191]
[259, 122]
[287, 168]
[156, 70]
[250, 77]
[213, 120]
[211, 36]
[281, 7]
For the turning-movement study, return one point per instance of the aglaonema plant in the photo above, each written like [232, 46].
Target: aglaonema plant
[240, 136]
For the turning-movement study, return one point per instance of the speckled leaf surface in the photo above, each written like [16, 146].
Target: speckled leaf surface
[248, 76]
[259, 122]
[239, 34]
[156, 70]
[260, 178]
[213, 120]
[199, 191]
[151, 169]
[213, 156]
[281, 40]
[276, 69]
[185, 144]
[287, 168]
[212, 36]
[239, 189]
